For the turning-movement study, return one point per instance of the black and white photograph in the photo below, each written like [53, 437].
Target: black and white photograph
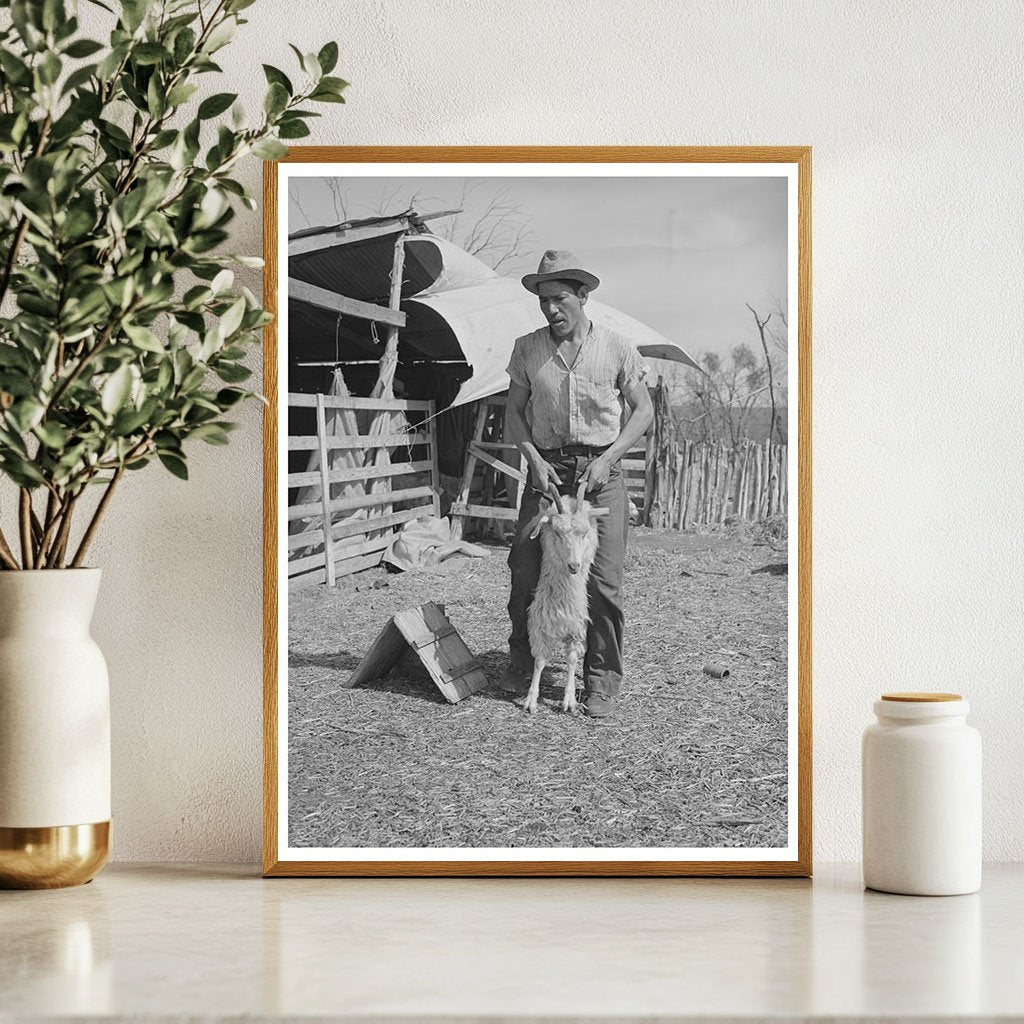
[537, 547]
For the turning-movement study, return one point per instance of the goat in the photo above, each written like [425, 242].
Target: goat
[557, 618]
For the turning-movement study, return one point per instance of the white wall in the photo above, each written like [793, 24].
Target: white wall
[914, 113]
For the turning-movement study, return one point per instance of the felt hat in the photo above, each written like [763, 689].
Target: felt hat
[555, 265]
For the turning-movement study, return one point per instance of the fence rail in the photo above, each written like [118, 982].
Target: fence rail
[362, 482]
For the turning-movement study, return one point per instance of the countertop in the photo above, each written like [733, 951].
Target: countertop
[181, 941]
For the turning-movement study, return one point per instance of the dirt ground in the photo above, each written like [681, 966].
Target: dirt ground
[688, 761]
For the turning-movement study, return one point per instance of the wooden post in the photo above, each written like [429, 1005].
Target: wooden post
[435, 472]
[677, 486]
[325, 489]
[462, 501]
[730, 468]
[744, 481]
[713, 509]
[650, 469]
[384, 388]
[389, 360]
[684, 477]
[784, 478]
[692, 487]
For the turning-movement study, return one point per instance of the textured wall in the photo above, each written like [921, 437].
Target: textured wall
[914, 115]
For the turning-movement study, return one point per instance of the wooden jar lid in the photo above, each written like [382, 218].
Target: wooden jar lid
[921, 698]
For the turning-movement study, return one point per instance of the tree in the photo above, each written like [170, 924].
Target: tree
[497, 235]
[491, 226]
[761, 325]
[722, 395]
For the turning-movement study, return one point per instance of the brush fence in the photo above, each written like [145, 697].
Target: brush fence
[683, 484]
[372, 466]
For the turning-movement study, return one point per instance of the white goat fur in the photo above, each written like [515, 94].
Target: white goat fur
[558, 617]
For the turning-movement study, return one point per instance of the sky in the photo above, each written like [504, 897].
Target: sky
[684, 255]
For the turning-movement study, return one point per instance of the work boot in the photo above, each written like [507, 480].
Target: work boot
[515, 681]
[598, 705]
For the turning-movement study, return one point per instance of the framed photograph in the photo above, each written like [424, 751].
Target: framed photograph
[538, 511]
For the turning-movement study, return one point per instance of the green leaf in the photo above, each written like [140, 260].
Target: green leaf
[222, 281]
[149, 53]
[26, 414]
[293, 130]
[269, 149]
[49, 68]
[109, 65]
[328, 57]
[128, 421]
[274, 75]
[175, 465]
[16, 70]
[181, 94]
[228, 397]
[232, 373]
[144, 338]
[184, 44]
[334, 84]
[116, 390]
[325, 96]
[53, 14]
[211, 433]
[133, 12]
[232, 319]
[53, 435]
[276, 99]
[156, 100]
[83, 48]
[216, 104]
[221, 35]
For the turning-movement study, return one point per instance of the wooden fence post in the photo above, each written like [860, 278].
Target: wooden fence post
[325, 489]
[435, 472]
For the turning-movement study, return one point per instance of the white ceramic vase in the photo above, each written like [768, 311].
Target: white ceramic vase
[54, 731]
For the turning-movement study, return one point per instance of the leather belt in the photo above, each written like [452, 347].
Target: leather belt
[575, 449]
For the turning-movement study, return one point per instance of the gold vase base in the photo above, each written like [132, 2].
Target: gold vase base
[53, 857]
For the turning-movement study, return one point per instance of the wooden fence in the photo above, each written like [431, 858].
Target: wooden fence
[696, 483]
[375, 470]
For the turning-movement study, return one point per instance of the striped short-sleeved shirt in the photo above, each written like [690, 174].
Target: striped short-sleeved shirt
[581, 404]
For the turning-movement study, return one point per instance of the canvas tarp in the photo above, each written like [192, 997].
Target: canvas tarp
[487, 318]
[457, 308]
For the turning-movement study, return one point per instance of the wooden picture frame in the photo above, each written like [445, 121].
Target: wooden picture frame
[280, 860]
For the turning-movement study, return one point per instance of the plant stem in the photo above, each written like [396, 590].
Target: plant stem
[25, 522]
[6, 555]
[97, 516]
[54, 510]
[60, 544]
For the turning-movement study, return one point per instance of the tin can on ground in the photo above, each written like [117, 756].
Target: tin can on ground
[921, 790]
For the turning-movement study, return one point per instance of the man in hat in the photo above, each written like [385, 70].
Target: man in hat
[577, 402]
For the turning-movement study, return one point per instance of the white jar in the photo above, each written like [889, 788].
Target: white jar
[921, 779]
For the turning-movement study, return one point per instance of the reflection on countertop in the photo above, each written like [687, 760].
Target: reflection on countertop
[180, 940]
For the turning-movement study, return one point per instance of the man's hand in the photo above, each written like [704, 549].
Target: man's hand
[596, 474]
[544, 475]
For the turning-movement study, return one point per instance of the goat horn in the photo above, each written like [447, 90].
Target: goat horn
[553, 491]
[581, 491]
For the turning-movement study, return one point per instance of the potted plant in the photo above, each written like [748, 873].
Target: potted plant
[122, 339]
